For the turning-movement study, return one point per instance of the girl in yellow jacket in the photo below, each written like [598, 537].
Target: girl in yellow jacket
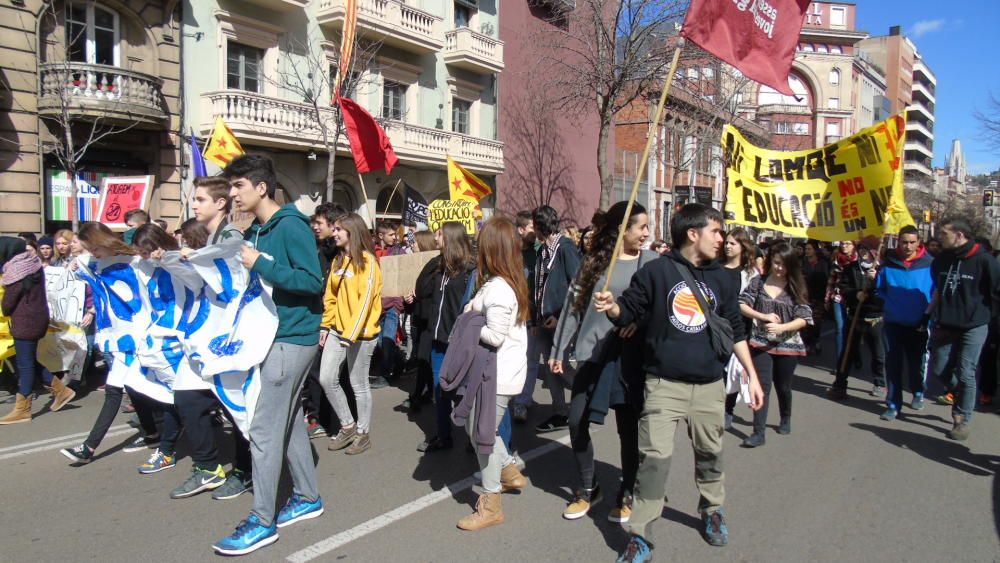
[352, 306]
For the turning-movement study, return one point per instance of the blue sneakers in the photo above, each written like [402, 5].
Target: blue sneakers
[637, 551]
[249, 536]
[298, 509]
[716, 532]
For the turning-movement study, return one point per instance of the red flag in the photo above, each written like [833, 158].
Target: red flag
[758, 37]
[369, 143]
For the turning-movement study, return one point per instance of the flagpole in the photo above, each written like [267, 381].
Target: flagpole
[642, 162]
[364, 193]
[392, 195]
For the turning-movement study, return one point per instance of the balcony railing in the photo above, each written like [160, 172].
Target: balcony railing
[913, 126]
[263, 120]
[927, 91]
[390, 21]
[473, 51]
[918, 146]
[769, 109]
[89, 90]
[281, 5]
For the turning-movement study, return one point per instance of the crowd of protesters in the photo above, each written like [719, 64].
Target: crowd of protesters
[529, 298]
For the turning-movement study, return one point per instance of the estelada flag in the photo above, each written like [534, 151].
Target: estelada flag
[758, 37]
[370, 146]
[346, 43]
[463, 184]
[222, 145]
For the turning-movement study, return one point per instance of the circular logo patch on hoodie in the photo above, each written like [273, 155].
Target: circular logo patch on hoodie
[685, 313]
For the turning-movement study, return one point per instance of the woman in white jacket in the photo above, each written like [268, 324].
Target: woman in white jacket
[503, 299]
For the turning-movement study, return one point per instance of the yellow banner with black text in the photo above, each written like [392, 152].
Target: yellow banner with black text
[844, 191]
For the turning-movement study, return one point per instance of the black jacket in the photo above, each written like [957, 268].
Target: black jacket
[562, 269]
[677, 343]
[967, 280]
[852, 280]
[439, 300]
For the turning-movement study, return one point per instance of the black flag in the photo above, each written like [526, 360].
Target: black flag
[414, 207]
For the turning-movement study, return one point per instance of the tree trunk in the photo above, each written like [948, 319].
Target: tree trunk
[602, 164]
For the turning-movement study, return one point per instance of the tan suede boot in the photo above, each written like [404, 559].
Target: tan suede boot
[488, 513]
[60, 394]
[21, 412]
[511, 479]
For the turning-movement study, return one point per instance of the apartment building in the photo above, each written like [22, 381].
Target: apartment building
[107, 72]
[429, 74]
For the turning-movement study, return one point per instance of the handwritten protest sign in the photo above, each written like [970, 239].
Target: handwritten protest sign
[65, 295]
[64, 349]
[399, 273]
[844, 191]
[443, 211]
[121, 195]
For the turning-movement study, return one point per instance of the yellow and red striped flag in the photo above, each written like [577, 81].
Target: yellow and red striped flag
[346, 44]
[222, 145]
[463, 184]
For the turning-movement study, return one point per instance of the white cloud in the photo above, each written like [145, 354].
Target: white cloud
[924, 27]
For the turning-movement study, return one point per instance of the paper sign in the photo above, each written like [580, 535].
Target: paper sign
[121, 195]
[443, 211]
[65, 295]
[399, 273]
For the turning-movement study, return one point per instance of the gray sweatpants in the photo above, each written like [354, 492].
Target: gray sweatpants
[278, 429]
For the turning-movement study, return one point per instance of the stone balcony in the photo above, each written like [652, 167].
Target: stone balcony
[464, 48]
[90, 91]
[390, 21]
[927, 92]
[770, 109]
[267, 121]
[281, 5]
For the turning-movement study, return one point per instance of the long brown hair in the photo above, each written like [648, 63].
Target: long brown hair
[425, 241]
[98, 235]
[500, 256]
[359, 240]
[150, 238]
[456, 252]
[793, 270]
[602, 247]
[748, 251]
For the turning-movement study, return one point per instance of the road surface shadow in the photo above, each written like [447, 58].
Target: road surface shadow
[945, 452]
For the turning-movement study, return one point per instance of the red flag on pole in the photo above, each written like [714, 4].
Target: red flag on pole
[370, 146]
[758, 37]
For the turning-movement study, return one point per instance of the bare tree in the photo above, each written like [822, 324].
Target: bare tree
[605, 55]
[309, 75]
[989, 122]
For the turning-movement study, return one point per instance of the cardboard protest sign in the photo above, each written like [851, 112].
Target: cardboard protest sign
[443, 211]
[399, 273]
[844, 191]
[121, 195]
[64, 348]
[66, 295]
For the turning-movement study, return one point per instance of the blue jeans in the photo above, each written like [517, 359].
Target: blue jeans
[840, 319]
[954, 355]
[387, 341]
[443, 407]
[904, 344]
[26, 359]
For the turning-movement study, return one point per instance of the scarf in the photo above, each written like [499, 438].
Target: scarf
[20, 267]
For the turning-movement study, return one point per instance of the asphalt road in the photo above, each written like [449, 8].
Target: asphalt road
[844, 486]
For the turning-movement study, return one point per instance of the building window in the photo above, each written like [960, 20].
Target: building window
[243, 67]
[92, 34]
[822, 49]
[807, 47]
[460, 112]
[692, 73]
[393, 100]
[833, 129]
[789, 128]
[834, 103]
[838, 16]
[835, 77]
[836, 49]
[463, 15]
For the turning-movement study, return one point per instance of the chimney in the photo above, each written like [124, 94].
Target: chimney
[894, 30]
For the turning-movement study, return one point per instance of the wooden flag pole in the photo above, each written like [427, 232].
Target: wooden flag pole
[867, 288]
[392, 195]
[642, 162]
[364, 192]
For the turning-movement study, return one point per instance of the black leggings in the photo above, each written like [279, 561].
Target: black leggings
[109, 411]
[776, 369]
[195, 409]
[626, 418]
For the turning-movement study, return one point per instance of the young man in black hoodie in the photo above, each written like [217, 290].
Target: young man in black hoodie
[684, 376]
[965, 300]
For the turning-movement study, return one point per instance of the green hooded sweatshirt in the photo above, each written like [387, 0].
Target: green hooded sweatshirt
[289, 262]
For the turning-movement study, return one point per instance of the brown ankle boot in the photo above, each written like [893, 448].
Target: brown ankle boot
[60, 394]
[21, 412]
[488, 513]
[511, 479]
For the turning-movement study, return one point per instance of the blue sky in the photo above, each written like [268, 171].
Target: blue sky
[958, 41]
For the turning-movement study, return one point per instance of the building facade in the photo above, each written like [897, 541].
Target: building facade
[105, 73]
[428, 74]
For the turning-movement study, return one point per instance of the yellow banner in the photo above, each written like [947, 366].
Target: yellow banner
[843, 191]
[6, 340]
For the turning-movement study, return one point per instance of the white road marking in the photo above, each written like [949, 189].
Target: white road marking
[331, 543]
[58, 442]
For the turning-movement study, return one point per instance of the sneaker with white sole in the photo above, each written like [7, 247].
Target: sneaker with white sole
[199, 481]
[298, 509]
[81, 454]
[237, 483]
[142, 443]
[583, 501]
[250, 535]
[157, 462]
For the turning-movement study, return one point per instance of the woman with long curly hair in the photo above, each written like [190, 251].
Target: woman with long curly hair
[739, 258]
[779, 305]
[586, 340]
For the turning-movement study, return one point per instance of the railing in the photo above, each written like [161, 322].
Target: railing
[391, 13]
[294, 123]
[464, 41]
[783, 108]
[101, 87]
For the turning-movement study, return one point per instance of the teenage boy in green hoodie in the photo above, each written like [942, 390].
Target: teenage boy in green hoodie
[281, 249]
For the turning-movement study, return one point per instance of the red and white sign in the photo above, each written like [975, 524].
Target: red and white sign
[121, 195]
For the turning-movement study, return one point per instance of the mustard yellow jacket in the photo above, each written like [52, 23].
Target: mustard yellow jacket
[352, 303]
